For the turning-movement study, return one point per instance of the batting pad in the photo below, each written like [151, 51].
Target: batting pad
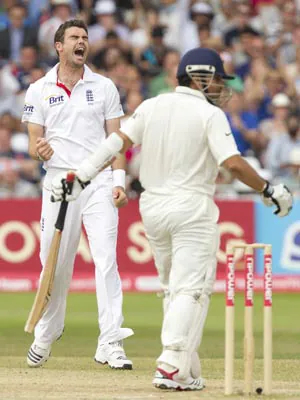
[180, 340]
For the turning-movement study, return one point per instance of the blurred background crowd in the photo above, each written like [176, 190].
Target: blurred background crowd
[138, 44]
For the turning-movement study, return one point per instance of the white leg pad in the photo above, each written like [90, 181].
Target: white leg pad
[181, 340]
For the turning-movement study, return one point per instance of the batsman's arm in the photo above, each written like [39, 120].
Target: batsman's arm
[119, 163]
[243, 171]
[278, 195]
[116, 143]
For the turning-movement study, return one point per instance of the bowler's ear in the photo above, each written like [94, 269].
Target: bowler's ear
[58, 46]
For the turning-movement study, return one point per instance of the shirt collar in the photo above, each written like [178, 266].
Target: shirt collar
[193, 92]
[88, 75]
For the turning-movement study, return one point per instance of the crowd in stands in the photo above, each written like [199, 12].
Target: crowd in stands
[138, 44]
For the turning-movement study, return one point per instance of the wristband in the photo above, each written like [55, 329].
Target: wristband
[119, 178]
[268, 190]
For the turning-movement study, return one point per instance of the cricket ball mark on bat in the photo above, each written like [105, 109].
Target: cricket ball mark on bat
[44, 291]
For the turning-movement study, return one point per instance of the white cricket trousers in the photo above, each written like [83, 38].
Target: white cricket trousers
[95, 209]
[183, 234]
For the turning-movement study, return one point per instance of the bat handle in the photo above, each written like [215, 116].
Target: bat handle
[60, 222]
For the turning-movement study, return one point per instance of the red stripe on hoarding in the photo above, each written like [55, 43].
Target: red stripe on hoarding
[268, 286]
[230, 281]
[249, 281]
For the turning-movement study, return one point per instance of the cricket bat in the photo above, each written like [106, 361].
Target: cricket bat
[43, 293]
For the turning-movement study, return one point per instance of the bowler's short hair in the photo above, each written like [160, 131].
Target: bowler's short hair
[60, 33]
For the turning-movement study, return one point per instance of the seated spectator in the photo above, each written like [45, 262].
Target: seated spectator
[22, 70]
[281, 149]
[283, 43]
[86, 11]
[152, 58]
[241, 21]
[263, 86]
[15, 170]
[224, 19]
[105, 11]
[292, 72]
[253, 49]
[166, 81]
[111, 41]
[13, 186]
[243, 124]
[9, 87]
[142, 21]
[61, 11]
[276, 126]
[16, 35]
[200, 28]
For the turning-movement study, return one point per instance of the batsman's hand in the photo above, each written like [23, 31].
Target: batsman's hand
[280, 196]
[59, 188]
[120, 197]
[43, 149]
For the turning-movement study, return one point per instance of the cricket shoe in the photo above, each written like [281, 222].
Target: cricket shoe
[114, 355]
[168, 380]
[38, 354]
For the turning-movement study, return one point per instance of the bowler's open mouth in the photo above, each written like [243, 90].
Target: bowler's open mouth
[79, 52]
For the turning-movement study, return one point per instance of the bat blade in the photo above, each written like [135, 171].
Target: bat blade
[43, 293]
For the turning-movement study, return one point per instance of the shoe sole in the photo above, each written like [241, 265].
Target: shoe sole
[175, 386]
[125, 366]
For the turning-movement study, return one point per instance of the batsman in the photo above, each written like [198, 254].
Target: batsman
[185, 137]
[69, 113]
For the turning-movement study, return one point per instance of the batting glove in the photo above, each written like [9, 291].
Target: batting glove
[280, 196]
[60, 189]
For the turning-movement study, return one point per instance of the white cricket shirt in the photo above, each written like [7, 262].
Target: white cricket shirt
[74, 121]
[184, 139]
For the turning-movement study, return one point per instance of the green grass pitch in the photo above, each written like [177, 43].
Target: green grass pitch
[71, 372]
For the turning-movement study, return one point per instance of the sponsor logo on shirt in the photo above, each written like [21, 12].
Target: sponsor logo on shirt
[89, 96]
[28, 109]
[55, 100]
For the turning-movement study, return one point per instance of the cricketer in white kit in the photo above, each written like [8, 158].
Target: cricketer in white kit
[185, 137]
[69, 113]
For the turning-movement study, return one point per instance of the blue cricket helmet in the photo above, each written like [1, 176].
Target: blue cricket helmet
[202, 57]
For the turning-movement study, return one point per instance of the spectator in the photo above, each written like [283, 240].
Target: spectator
[61, 11]
[242, 20]
[276, 125]
[9, 88]
[16, 35]
[224, 20]
[166, 80]
[243, 124]
[151, 63]
[111, 41]
[87, 11]
[22, 70]
[292, 74]
[142, 23]
[281, 150]
[106, 21]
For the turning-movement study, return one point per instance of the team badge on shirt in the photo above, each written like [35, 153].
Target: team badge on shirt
[89, 96]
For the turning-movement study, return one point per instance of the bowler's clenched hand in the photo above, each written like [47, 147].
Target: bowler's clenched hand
[120, 197]
[44, 149]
